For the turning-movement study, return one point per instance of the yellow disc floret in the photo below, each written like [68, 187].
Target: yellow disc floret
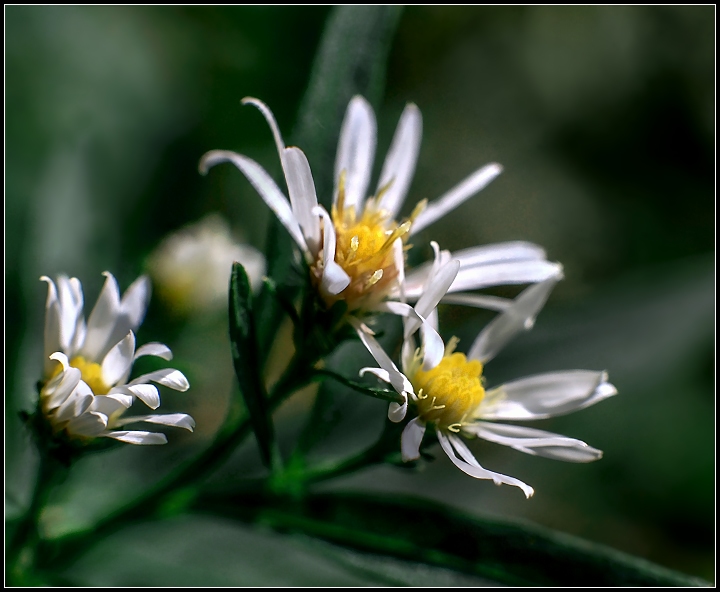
[364, 249]
[90, 373]
[449, 393]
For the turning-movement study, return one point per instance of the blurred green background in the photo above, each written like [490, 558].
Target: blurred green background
[603, 118]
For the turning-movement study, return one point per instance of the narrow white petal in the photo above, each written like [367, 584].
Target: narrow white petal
[397, 412]
[411, 438]
[356, 150]
[264, 185]
[399, 381]
[518, 317]
[75, 404]
[399, 166]
[169, 377]
[506, 273]
[270, 118]
[178, 420]
[457, 195]
[118, 361]
[52, 324]
[470, 466]
[133, 306]
[334, 279]
[154, 349]
[546, 395]
[303, 198]
[497, 252]
[89, 424]
[433, 346]
[145, 438]
[434, 290]
[60, 387]
[478, 301]
[536, 442]
[70, 301]
[102, 320]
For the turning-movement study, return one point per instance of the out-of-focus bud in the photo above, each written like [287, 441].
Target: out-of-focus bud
[191, 267]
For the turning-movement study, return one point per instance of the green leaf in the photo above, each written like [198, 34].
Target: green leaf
[210, 551]
[351, 59]
[423, 531]
[243, 346]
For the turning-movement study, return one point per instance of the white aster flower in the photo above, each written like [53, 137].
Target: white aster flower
[447, 391]
[190, 267]
[356, 252]
[87, 364]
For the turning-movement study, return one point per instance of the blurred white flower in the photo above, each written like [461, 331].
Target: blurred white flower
[191, 267]
[356, 252]
[87, 364]
[446, 388]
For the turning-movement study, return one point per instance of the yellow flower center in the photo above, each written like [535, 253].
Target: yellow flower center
[450, 392]
[364, 249]
[91, 374]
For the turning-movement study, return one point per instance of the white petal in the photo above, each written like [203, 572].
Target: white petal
[396, 411]
[178, 420]
[118, 361]
[399, 165]
[303, 198]
[478, 301]
[147, 393]
[168, 377]
[76, 404]
[334, 279]
[433, 292]
[518, 317]
[146, 438]
[154, 349]
[546, 395]
[270, 118]
[264, 185]
[102, 320]
[457, 195]
[497, 252]
[433, 346]
[511, 272]
[90, 424]
[399, 381]
[356, 150]
[52, 325]
[61, 386]
[411, 438]
[536, 442]
[70, 301]
[133, 306]
[470, 466]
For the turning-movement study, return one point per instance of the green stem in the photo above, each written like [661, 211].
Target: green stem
[22, 549]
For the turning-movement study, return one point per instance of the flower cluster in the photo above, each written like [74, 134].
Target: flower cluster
[86, 387]
[356, 253]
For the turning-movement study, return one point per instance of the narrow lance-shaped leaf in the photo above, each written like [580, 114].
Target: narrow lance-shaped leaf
[243, 346]
[423, 531]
